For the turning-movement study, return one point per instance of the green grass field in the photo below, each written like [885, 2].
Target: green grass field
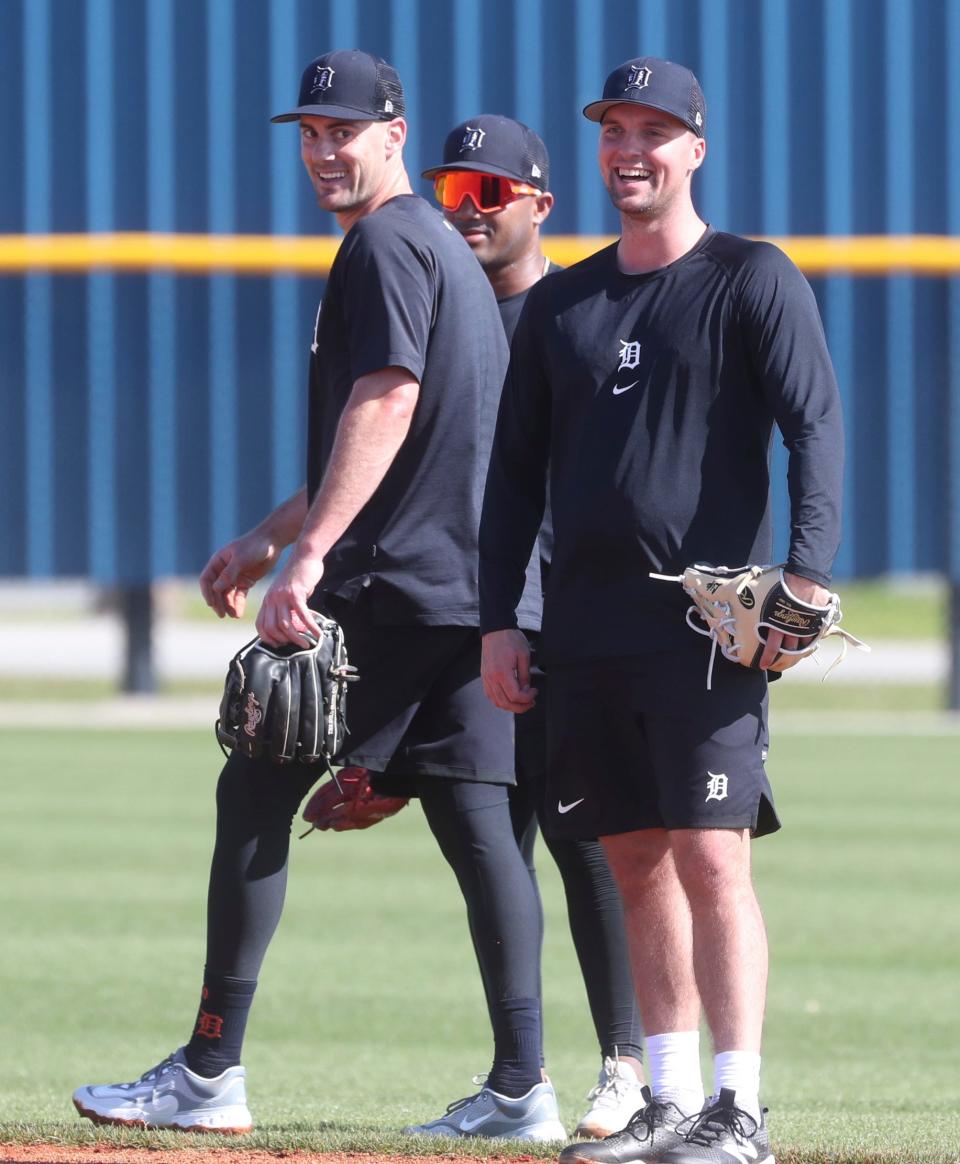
[370, 1013]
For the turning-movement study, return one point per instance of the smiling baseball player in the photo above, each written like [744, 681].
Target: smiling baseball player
[644, 385]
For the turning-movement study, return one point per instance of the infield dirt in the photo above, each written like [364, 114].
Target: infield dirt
[111, 1154]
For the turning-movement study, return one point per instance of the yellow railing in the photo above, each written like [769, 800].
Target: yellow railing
[306, 255]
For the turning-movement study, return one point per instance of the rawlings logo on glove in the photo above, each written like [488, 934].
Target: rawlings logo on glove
[288, 704]
[733, 605]
[348, 802]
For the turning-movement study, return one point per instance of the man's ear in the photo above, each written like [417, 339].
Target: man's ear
[395, 137]
[544, 204]
[698, 152]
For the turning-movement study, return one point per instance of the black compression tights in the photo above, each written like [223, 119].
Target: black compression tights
[472, 825]
[599, 937]
[595, 914]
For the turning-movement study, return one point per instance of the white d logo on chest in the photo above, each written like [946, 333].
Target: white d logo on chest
[629, 354]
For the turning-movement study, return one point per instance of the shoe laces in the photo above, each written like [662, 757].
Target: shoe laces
[148, 1076]
[479, 1081]
[651, 1116]
[611, 1084]
[710, 1125]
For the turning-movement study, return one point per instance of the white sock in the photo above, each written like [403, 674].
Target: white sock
[739, 1070]
[673, 1062]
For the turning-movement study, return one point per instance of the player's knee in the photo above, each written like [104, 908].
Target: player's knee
[712, 863]
[638, 859]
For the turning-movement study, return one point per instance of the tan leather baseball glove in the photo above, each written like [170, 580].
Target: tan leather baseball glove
[736, 605]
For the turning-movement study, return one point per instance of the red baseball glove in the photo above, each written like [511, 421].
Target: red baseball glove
[348, 802]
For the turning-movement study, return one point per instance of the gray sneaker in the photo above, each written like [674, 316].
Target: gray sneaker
[650, 1132]
[170, 1095]
[533, 1116]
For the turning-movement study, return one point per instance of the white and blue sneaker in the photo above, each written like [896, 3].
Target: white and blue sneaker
[533, 1116]
[170, 1095]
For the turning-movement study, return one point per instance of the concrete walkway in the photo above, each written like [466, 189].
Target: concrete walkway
[93, 647]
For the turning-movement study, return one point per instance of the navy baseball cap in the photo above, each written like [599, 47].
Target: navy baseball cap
[491, 144]
[660, 84]
[350, 85]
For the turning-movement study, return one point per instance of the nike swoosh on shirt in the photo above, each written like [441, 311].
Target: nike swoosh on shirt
[617, 390]
[562, 808]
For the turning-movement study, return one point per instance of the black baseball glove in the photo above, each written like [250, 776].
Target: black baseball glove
[287, 703]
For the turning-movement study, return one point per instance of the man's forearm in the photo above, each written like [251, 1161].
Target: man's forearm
[371, 431]
[283, 525]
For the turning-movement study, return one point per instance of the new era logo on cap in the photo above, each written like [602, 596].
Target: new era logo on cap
[492, 144]
[660, 84]
[349, 85]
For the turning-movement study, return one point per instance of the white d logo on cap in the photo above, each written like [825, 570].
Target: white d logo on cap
[472, 138]
[323, 79]
[638, 77]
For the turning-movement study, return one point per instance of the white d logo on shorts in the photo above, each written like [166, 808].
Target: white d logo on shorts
[716, 786]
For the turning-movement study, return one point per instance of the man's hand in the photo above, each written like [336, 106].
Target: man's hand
[505, 669]
[228, 576]
[807, 591]
[231, 572]
[284, 614]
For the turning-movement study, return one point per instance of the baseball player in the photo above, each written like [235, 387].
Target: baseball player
[406, 367]
[644, 385]
[494, 188]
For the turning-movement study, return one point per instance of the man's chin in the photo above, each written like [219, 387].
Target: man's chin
[631, 204]
[335, 201]
[475, 240]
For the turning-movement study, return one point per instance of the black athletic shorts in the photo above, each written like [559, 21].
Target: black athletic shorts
[640, 743]
[418, 708]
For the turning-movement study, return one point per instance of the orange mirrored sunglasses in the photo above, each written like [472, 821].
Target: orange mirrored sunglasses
[488, 191]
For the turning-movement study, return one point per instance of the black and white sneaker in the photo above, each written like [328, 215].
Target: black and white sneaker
[649, 1133]
[722, 1134]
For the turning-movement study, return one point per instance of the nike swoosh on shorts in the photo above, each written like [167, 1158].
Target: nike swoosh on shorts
[564, 808]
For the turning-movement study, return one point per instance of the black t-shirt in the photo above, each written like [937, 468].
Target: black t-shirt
[511, 307]
[654, 398]
[405, 290]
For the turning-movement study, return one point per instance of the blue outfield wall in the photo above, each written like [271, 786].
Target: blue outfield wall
[145, 419]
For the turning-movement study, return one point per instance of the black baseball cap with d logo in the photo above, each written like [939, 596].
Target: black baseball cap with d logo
[493, 144]
[349, 85]
[659, 84]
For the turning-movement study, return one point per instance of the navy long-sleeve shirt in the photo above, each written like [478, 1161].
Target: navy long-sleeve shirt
[653, 398]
